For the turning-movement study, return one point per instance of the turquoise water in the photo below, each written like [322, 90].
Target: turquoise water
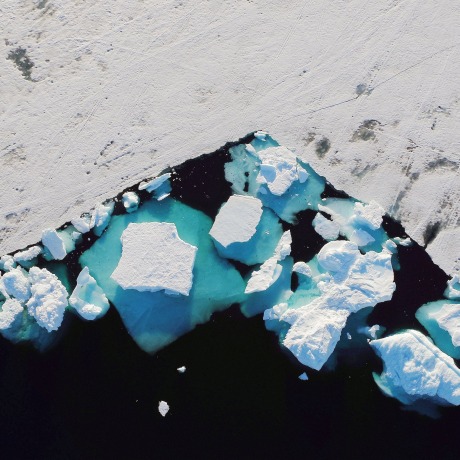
[155, 319]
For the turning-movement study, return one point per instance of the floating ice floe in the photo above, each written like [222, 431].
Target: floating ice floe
[7, 262]
[154, 258]
[16, 283]
[442, 321]
[130, 201]
[83, 223]
[303, 376]
[237, 220]
[159, 186]
[181, 369]
[326, 228]
[163, 408]
[54, 243]
[88, 299]
[416, 369]
[9, 312]
[48, 299]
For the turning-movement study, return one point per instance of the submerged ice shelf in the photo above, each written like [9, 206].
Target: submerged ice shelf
[267, 233]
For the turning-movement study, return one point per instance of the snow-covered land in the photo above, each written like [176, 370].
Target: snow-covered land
[366, 92]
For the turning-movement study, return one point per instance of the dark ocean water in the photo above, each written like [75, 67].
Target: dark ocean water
[95, 394]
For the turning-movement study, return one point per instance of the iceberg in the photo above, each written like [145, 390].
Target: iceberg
[48, 299]
[442, 321]
[163, 408]
[130, 201]
[88, 299]
[326, 228]
[154, 258]
[346, 282]
[414, 368]
[54, 243]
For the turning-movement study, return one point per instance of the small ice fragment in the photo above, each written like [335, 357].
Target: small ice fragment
[54, 243]
[100, 217]
[152, 185]
[155, 258]
[453, 288]
[49, 298]
[302, 268]
[261, 135]
[303, 376]
[303, 175]
[237, 220]
[130, 201]
[7, 263]
[163, 408]
[326, 228]
[181, 369]
[28, 254]
[373, 332]
[403, 241]
[82, 224]
[349, 337]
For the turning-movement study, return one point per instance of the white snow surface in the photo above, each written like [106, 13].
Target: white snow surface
[270, 270]
[326, 228]
[154, 258]
[163, 408]
[54, 243]
[121, 90]
[88, 298]
[48, 300]
[353, 281]
[414, 367]
[237, 220]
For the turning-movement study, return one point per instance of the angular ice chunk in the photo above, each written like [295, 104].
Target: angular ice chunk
[303, 376]
[261, 135]
[7, 262]
[278, 169]
[302, 268]
[370, 214]
[453, 288]
[87, 298]
[154, 258]
[181, 369]
[10, 310]
[163, 408]
[83, 223]
[159, 186]
[130, 201]
[16, 284]
[361, 238]
[49, 298]
[442, 320]
[270, 270]
[237, 220]
[100, 217]
[415, 368]
[328, 229]
[28, 254]
[54, 243]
